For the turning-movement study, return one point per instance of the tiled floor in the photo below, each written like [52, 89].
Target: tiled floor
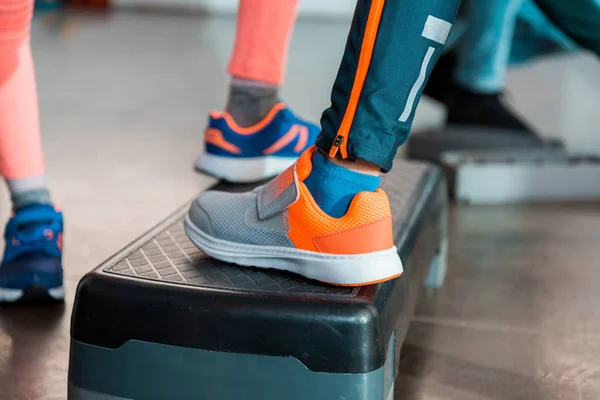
[123, 100]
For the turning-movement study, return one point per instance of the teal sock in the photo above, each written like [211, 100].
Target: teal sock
[333, 187]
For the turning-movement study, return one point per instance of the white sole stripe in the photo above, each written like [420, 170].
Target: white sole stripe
[13, 295]
[332, 268]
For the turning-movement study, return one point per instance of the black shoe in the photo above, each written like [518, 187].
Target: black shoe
[484, 110]
[468, 108]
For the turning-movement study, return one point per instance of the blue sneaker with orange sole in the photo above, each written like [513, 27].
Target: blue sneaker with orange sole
[32, 265]
[258, 152]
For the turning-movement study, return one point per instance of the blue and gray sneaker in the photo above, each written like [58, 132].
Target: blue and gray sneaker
[32, 264]
[258, 152]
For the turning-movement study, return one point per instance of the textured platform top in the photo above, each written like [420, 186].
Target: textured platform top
[169, 255]
[162, 289]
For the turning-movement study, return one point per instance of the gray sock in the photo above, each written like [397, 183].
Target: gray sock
[26, 191]
[250, 101]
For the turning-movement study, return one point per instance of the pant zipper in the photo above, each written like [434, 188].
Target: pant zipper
[366, 51]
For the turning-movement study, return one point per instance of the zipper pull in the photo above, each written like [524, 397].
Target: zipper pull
[337, 142]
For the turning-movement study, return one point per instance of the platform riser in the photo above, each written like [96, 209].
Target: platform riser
[82, 394]
[505, 183]
[438, 268]
[139, 370]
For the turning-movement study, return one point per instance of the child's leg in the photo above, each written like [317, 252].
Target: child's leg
[391, 49]
[471, 83]
[21, 158]
[257, 136]
[32, 264]
[258, 60]
[324, 217]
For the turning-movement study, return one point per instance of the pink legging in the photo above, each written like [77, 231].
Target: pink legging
[20, 146]
[263, 32]
[261, 40]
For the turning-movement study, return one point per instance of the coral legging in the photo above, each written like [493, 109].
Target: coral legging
[20, 147]
[263, 31]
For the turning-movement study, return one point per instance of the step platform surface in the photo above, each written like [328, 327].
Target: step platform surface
[161, 320]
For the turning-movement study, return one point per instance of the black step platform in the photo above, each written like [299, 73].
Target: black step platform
[160, 320]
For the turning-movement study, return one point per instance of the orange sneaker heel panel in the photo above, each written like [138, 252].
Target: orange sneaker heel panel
[304, 163]
[308, 222]
[366, 238]
[215, 137]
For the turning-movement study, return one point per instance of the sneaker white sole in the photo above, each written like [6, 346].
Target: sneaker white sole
[350, 270]
[242, 170]
[14, 295]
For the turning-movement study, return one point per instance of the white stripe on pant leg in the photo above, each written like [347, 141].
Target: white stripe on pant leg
[417, 86]
[436, 29]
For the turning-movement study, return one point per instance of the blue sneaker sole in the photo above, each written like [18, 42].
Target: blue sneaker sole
[33, 293]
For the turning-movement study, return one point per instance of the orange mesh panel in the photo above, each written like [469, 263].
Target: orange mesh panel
[308, 222]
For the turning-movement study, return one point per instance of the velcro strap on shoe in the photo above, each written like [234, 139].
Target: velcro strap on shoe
[28, 216]
[279, 194]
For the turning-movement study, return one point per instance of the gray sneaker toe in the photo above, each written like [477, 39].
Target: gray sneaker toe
[200, 217]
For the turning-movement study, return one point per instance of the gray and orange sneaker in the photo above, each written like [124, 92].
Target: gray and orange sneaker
[280, 226]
